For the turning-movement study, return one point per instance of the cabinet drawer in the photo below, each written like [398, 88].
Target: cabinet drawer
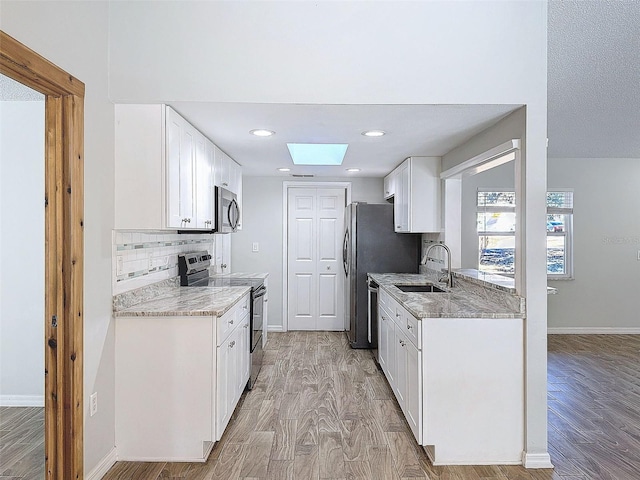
[384, 299]
[412, 329]
[244, 307]
[226, 324]
[234, 317]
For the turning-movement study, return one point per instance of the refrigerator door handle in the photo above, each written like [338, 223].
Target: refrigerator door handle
[345, 253]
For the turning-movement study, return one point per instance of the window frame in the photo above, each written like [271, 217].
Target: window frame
[567, 232]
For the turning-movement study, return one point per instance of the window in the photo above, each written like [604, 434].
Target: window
[496, 225]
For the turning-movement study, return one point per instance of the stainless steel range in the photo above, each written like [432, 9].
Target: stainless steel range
[194, 272]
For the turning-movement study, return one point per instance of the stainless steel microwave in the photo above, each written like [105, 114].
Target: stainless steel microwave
[227, 211]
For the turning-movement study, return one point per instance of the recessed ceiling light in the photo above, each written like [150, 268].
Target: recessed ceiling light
[284, 169]
[374, 133]
[261, 132]
[353, 169]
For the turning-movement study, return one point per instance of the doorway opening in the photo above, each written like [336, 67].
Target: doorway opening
[63, 199]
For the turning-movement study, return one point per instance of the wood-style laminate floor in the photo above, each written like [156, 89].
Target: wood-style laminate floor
[21, 443]
[321, 410]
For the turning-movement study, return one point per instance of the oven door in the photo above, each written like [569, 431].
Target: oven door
[227, 211]
[257, 316]
[257, 322]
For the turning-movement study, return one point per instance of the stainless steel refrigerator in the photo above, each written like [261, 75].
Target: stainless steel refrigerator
[372, 246]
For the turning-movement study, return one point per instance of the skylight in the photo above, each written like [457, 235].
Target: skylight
[317, 153]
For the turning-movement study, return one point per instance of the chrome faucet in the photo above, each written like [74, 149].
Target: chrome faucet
[449, 276]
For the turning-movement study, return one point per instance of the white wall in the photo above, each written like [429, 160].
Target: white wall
[604, 294]
[22, 253]
[329, 52]
[73, 35]
[262, 222]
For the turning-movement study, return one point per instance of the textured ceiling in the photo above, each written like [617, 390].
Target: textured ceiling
[594, 78]
[11, 90]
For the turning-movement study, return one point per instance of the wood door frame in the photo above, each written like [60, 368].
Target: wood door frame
[285, 237]
[64, 252]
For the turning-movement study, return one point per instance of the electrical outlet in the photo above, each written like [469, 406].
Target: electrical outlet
[93, 404]
[255, 247]
[119, 265]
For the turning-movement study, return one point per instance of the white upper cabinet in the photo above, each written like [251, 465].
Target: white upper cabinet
[415, 187]
[228, 174]
[166, 171]
[205, 189]
[390, 185]
[180, 163]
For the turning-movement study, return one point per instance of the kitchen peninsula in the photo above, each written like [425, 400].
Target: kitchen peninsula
[455, 361]
[182, 362]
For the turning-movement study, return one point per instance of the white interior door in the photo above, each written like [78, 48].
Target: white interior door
[314, 263]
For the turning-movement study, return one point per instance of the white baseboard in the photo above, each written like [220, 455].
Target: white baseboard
[103, 466]
[593, 330]
[536, 460]
[275, 328]
[21, 400]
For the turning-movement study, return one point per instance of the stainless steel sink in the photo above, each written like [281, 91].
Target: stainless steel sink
[420, 288]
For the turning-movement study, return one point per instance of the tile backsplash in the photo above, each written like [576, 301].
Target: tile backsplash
[143, 258]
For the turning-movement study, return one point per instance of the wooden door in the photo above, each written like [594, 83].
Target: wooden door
[314, 239]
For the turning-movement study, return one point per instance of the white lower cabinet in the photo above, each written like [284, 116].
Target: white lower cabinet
[233, 358]
[386, 348]
[459, 382]
[177, 381]
[401, 360]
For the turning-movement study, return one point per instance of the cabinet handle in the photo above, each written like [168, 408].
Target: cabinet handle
[246, 326]
[409, 327]
[225, 184]
[397, 314]
[232, 344]
[231, 322]
[398, 226]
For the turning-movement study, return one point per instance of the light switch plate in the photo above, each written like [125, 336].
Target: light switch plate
[255, 247]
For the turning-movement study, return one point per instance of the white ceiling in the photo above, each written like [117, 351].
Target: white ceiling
[594, 78]
[430, 130]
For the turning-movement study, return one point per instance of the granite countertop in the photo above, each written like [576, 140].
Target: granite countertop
[261, 276]
[457, 302]
[502, 282]
[186, 301]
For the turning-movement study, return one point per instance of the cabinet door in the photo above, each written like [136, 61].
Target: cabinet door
[390, 346]
[222, 252]
[235, 366]
[401, 199]
[204, 182]
[389, 185]
[223, 406]
[180, 167]
[413, 391]
[225, 172]
[383, 338]
[401, 367]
